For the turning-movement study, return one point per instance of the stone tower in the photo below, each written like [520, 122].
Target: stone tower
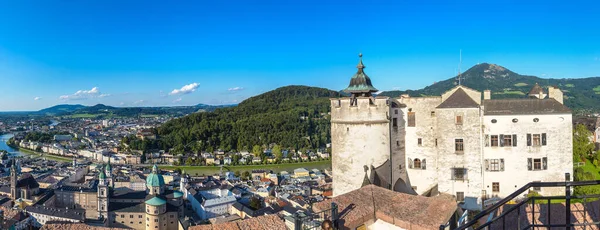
[182, 183]
[366, 138]
[103, 197]
[13, 182]
[156, 205]
[108, 172]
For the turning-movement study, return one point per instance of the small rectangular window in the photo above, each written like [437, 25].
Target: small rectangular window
[537, 164]
[433, 113]
[543, 139]
[460, 196]
[459, 173]
[436, 142]
[459, 145]
[411, 119]
[395, 111]
[459, 120]
[397, 143]
[494, 140]
[507, 140]
[395, 122]
[536, 140]
[420, 142]
[495, 187]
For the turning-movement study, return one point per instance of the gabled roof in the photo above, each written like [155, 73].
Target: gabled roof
[536, 89]
[524, 106]
[27, 181]
[458, 99]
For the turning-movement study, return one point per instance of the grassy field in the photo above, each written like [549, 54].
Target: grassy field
[209, 170]
[520, 84]
[47, 156]
[83, 115]
[597, 88]
[570, 85]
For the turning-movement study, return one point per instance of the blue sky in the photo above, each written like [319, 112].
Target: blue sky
[147, 53]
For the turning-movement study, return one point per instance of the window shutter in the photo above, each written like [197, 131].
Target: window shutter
[487, 140]
[501, 140]
[544, 163]
[514, 140]
[543, 139]
[487, 165]
[529, 164]
[501, 164]
[410, 163]
[423, 164]
[529, 139]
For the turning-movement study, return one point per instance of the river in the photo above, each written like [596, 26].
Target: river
[3, 146]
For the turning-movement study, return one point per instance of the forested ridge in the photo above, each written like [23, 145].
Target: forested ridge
[293, 117]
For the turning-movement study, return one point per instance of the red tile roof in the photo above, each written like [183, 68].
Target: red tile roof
[268, 222]
[400, 209]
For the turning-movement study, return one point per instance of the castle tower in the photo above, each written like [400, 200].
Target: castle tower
[365, 137]
[13, 182]
[103, 197]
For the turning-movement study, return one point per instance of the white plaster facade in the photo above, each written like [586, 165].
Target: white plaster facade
[361, 137]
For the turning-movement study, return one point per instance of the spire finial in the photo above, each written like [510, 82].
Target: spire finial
[360, 65]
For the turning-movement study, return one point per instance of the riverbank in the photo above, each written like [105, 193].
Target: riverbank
[47, 156]
[289, 167]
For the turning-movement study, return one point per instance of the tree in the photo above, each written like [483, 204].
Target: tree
[582, 146]
[277, 152]
[256, 150]
[246, 175]
[255, 203]
[237, 174]
[189, 161]
[143, 158]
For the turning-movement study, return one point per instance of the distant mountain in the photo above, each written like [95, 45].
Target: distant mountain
[292, 116]
[581, 94]
[108, 111]
[60, 109]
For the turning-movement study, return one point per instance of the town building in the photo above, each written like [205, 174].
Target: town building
[456, 143]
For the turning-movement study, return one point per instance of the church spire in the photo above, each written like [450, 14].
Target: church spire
[360, 84]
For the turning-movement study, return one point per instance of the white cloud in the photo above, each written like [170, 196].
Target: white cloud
[138, 102]
[236, 88]
[82, 94]
[185, 89]
[122, 103]
[37, 98]
[177, 100]
[104, 95]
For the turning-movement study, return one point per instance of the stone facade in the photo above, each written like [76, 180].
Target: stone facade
[443, 144]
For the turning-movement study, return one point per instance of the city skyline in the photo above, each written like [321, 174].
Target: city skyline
[147, 54]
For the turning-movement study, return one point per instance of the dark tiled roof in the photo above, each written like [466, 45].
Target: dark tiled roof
[27, 181]
[128, 194]
[536, 89]
[524, 106]
[75, 214]
[459, 99]
[126, 207]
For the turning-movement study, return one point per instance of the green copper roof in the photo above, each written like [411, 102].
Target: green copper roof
[360, 82]
[177, 194]
[108, 167]
[156, 201]
[155, 179]
[102, 176]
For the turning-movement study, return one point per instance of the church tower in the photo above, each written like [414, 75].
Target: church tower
[108, 172]
[103, 197]
[366, 137]
[183, 183]
[13, 182]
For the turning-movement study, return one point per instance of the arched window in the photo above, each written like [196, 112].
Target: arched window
[417, 163]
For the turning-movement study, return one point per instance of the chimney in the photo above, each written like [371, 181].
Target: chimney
[487, 94]
[555, 93]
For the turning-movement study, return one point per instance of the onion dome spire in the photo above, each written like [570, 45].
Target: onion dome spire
[360, 84]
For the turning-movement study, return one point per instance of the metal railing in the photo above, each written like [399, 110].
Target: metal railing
[315, 220]
[518, 210]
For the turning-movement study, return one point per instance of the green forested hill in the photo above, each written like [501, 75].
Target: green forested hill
[582, 94]
[293, 117]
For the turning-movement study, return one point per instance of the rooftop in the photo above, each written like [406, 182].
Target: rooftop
[257, 223]
[524, 107]
[403, 210]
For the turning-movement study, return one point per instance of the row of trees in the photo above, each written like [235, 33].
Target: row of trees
[583, 150]
[43, 137]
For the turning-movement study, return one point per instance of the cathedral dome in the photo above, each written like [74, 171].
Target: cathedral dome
[155, 179]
